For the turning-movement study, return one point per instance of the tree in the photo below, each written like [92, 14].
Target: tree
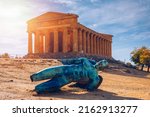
[5, 55]
[135, 56]
[145, 58]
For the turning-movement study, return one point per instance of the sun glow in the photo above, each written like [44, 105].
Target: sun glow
[10, 12]
[12, 18]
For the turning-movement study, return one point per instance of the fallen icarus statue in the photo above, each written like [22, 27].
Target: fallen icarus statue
[82, 71]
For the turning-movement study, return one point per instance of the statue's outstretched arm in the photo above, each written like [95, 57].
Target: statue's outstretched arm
[72, 61]
[76, 61]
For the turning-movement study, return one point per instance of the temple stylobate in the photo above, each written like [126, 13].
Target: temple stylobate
[55, 32]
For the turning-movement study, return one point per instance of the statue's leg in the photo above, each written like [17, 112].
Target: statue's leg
[47, 73]
[52, 85]
[100, 81]
[80, 85]
[85, 85]
[94, 85]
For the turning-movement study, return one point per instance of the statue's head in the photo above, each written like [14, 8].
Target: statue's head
[101, 65]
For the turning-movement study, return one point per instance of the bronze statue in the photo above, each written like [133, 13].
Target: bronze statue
[82, 71]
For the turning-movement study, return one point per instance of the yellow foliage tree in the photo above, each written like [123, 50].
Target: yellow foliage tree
[141, 56]
[145, 58]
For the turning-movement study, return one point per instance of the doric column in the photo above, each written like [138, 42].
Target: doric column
[102, 43]
[55, 41]
[41, 43]
[69, 46]
[88, 42]
[36, 42]
[95, 44]
[30, 43]
[105, 52]
[84, 41]
[47, 41]
[104, 47]
[100, 46]
[107, 49]
[90, 51]
[110, 48]
[92, 43]
[80, 40]
[75, 40]
[65, 40]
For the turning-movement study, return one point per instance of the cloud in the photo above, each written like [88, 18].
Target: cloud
[142, 36]
[66, 2]
[124, 13]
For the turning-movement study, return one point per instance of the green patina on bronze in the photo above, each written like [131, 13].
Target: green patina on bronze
[82, 71]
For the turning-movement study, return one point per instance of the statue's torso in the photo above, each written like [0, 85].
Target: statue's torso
[79, 72]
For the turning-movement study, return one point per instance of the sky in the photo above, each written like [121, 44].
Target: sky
[127, 20]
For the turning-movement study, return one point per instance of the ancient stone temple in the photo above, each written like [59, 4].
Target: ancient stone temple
[55, 32]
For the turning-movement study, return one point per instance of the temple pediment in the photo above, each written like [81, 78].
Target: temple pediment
[53, 16]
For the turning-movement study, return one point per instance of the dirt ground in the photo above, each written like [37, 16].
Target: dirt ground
[119, 83]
